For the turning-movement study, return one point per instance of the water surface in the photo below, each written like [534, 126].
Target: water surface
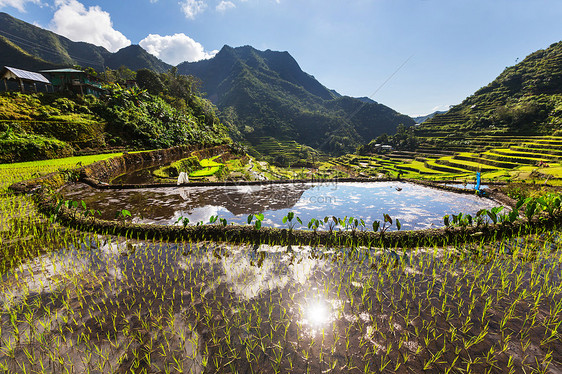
[417, 207]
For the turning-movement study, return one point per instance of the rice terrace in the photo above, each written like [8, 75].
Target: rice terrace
[228, 213]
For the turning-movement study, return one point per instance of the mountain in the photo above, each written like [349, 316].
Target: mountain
[422, 119]
[265, 94]
[135, 58]
[12, 55]
[40, 44]
[266, 99]
[524, 99]
[366, 99]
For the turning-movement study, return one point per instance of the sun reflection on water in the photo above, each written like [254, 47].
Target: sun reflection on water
[317, 314]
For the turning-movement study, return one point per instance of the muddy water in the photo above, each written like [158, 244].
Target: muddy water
[108, 305]
[417, 207]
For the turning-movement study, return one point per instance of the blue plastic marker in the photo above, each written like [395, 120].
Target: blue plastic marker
[477, 187]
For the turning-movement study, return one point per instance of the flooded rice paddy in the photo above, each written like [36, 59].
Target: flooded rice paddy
[416, 206]
[110, 305]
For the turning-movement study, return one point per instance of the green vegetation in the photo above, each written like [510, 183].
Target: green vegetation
[73, 300]
[267, 95]
[77, 301]
[404, 139]
[38, 126]
[534, 159]
[525, 99]
[50, 50]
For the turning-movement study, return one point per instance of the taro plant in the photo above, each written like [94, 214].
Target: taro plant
[344, 223]
[446, 221]
[122, 214]
[550, 203]
[89, 212]
[288, 219]
[360, 224]
[350, 223]
[494, 214]
[259, 218]
[331, 222]
[216, 220]
[60, 203]
[530, 208]
[386, 224]
[315, 224]
[462, 220]
[68, 204]
[184, 221]
[480, 218]
[512, 216]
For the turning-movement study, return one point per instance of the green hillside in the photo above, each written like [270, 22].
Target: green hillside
[40, 126]
[263, 94]
[525, 99]
[509, 130]
[12, 55]
[55, 50]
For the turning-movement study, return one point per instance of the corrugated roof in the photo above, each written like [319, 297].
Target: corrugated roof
[28, 75]
[62, 71]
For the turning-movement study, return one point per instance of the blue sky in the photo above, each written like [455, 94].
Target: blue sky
[435, 52]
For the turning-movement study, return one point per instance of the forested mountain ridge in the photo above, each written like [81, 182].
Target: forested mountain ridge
[266, 94]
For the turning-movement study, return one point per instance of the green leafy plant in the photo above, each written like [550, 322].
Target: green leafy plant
[331, 222]
[288, 219]
[89, 212]
[550, 203]
[184, 221]
[315, 224]
[493, 213]
[123, 214]
[258, 222]
[530, 208]
[386, 224]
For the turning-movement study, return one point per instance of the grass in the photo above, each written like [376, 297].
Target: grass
[74, 301]
[16, 172]
[210, 168]
[207, 172]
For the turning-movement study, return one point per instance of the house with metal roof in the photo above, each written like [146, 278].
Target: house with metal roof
[23, 80]
[74, 80]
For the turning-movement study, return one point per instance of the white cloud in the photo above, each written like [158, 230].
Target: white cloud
[191, 8]
[223, 6]
[175, 49]
[18, 4]
[92, 25]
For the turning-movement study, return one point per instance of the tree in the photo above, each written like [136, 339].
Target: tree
[150, 81]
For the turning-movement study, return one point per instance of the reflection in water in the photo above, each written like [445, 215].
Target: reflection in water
[317, 313]
[142, 175]
[417, 207]
[127, 306]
